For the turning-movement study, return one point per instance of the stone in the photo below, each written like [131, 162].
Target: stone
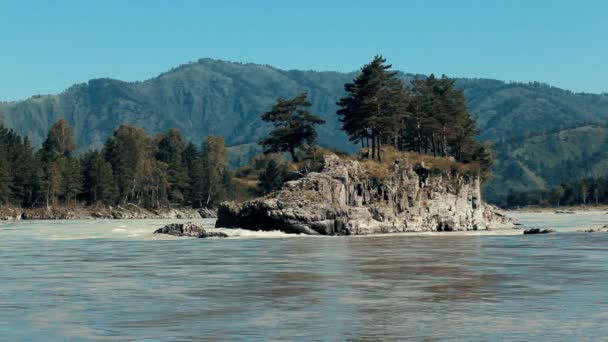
[212, 235]
[182, 229]
[207, 213]
[538, 231]
[189, 229]
[344, 199]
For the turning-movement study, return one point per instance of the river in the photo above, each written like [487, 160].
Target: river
[115, 280]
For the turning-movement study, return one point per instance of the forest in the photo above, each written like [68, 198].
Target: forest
[131, 168]
[589, 191]
[427, 116]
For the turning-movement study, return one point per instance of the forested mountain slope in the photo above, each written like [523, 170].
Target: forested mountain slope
[539, 131]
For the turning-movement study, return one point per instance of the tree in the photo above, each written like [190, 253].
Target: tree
[170, 151]
[127, 151]
[60, 172]
[99, 183]
[272, 178]
[26, 173]
[294, 126]
[375, 107]
[71, 180]
[59, 142]
[191, 158]
[556, 194]
[208, 189]
[5, 176]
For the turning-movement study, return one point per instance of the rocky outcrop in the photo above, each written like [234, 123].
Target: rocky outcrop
[190, 229]
[344, 199]
[532, 231]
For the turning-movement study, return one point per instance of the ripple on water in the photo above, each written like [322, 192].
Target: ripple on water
[81, 280]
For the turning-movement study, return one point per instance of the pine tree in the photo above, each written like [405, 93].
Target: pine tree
[170, 151]
[191, 157]
[293, 124]
[5, 176]
[99, 183]
[127, 151]
[71, 180]
[26, 174]
[272, 178]
[375, 107]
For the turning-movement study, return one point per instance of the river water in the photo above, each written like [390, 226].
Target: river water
[114, 280]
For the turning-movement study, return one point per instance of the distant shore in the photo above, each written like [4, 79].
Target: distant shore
[124, 212]
[560, 210]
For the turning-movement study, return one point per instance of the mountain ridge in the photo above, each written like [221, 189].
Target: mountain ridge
[211, 96]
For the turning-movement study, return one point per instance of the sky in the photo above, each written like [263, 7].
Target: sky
[46, 46]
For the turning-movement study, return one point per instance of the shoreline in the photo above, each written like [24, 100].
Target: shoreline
[599, 209]
[126, 212]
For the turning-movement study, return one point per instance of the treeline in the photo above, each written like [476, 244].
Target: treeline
[428, 116]
[132, 168]
[590, 191]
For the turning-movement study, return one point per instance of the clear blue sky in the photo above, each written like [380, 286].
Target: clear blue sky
[46, 46]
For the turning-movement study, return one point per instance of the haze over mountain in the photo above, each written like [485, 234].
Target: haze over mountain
[543, 135]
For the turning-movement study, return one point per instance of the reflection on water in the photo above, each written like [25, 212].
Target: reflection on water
[114, 280]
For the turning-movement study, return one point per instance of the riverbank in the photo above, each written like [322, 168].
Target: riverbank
[560, 210]
[128, 211]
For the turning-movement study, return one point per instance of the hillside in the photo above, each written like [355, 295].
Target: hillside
[224, 98]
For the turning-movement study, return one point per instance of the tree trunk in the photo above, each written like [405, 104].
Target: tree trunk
[444, 140]
[292, 151]
[373, 146]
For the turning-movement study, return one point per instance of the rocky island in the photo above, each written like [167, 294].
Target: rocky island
[345, 198]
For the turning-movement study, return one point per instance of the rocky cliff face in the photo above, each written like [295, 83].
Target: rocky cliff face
[344, 199]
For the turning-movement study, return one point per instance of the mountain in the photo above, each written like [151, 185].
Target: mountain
[543, 135]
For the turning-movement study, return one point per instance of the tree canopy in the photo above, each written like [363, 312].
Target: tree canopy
[430, 116]
[293, 124]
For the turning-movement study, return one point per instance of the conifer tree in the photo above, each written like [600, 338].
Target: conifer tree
[272, 178]
[170, 151]
[99, 184]
[127, 151]
[293, 124]
[5, 176]
[375, 107]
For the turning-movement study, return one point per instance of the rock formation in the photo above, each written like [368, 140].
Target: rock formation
[345, 199]
[190, 229]
[532, 231]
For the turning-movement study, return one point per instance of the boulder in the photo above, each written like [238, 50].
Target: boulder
[345, 199]
[212, 235]
[207, 213]
[538, 231]
[190, 229]
[182, 229]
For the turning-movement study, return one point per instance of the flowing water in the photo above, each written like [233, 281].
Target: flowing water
[115, 280]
